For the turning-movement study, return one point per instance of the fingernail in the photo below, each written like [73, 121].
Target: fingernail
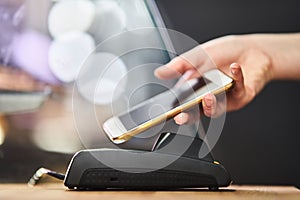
[234, 71]
[178, 120]
[181, 119]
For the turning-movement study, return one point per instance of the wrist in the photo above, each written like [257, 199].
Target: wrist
[283, 53]
[258, 45]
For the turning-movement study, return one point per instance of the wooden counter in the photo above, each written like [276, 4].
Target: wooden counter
[58, 191]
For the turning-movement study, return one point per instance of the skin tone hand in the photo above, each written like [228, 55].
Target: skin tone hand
[251, 60]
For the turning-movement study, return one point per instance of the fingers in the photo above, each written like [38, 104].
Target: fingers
[209, 104]
[182, 118]
[214, 108]
[237, 75]
[188, 117]
[190, 74]
[211, 108]
[173, 69]
[236, 97]
[195, 59]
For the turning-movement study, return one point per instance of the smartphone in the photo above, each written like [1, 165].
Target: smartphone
[164, 106]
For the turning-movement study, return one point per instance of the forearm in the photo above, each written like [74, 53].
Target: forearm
[283, 51]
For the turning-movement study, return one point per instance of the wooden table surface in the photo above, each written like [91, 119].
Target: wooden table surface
[58, 191]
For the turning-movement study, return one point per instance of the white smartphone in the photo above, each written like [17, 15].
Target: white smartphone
[165, 105]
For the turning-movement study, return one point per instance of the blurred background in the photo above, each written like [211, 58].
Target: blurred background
[259, 144]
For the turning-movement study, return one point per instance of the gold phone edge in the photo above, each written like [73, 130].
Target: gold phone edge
[126, 136]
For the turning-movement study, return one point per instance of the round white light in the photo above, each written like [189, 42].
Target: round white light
[109, 20]
[102, 79]
[70, 15]
[68, 52]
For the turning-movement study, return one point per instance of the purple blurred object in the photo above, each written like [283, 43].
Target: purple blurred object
[30, 53]
[11, 19]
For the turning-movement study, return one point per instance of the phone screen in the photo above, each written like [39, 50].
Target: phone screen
[163, 102]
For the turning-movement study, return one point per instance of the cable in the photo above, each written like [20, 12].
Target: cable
[40, 172]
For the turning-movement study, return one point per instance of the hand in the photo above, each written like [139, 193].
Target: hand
[237, 56]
